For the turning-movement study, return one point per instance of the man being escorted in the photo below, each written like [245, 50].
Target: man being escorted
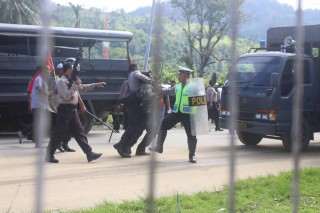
[68, 117]
[180, 113]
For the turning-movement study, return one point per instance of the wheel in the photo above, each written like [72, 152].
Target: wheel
[249, 139]
[86, 121]
[305, 133]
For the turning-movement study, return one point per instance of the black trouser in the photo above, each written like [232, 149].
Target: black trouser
[151, 127]
[116, 120]
[172, 119]
[210, 111]
[216, 114]
[68, 120]
[29, 130]
[126, 119]
[66, 139]
[136, 125]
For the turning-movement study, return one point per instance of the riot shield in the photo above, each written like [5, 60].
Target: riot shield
[198, 105]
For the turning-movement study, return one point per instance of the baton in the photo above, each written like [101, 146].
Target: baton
[95, 117]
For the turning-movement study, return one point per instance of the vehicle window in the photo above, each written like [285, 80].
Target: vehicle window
[287, 79]
[106, 50]
[17, 46]
[256, 71]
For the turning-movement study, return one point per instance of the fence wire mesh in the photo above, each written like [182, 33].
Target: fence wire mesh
[45, 45]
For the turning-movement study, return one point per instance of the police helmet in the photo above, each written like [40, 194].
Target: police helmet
[73, 60]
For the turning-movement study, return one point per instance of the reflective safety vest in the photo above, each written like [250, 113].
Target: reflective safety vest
[182, 102]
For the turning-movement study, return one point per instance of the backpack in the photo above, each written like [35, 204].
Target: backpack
[128, 97]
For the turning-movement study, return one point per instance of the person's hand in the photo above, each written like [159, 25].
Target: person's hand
[83, 108]
[100, 84]
[78, 81]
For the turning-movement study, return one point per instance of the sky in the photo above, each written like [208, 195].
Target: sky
[108, 5]
[130, 5]
[306, 4]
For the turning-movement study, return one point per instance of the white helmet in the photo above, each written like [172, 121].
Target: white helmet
[73, 60]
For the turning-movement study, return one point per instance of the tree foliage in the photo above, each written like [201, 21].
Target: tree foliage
[206, 23]
[175, 48]
[19, 11]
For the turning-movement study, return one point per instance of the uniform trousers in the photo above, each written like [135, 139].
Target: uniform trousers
[151, 122]
[136, 125]
[171, 120]
[216, 114]
[68, 121]
[210, 111]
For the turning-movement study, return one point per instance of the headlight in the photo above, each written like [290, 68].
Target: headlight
[224, 112]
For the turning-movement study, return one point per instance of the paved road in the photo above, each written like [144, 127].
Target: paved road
[74, 183]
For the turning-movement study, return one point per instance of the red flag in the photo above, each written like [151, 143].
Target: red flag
[49, 62]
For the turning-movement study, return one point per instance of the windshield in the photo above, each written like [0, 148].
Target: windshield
[256, 71]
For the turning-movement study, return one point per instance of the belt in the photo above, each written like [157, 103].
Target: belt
[69, 106]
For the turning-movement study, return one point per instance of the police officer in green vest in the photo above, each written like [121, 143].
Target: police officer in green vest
[180, 113]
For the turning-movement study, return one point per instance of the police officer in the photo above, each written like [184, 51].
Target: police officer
[135, 114]
[180, 113]
[68, 117]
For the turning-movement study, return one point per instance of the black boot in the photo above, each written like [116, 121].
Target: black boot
[120, 149]
[141, 149]
[217, 122]
[67, 148]
[192, 145]
[93, 156]
[159, 146]
[51, 159]
[60, 149]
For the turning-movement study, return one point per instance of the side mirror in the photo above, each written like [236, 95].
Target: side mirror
[274, 79]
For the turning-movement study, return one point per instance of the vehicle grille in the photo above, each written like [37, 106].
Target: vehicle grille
[246, 116]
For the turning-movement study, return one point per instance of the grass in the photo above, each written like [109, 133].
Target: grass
[261, 194]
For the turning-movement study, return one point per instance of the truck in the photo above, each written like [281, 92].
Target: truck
[266, 89]
[105, 57]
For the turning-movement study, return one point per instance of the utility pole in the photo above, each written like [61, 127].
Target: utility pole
[146, 56]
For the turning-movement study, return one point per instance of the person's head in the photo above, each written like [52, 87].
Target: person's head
[67, 68]
[59, 69]
[216, 85]
[38, 68]
[133, 67]
[184, 74]
[211, 83]
[44, 70]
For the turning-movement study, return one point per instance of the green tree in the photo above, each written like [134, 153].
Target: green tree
[207, 22]
[19, 11]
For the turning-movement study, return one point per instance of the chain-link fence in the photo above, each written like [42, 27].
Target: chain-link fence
[45, 45]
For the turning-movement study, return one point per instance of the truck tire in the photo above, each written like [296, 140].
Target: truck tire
[249, 139]
[86, 121]
[305, 133]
